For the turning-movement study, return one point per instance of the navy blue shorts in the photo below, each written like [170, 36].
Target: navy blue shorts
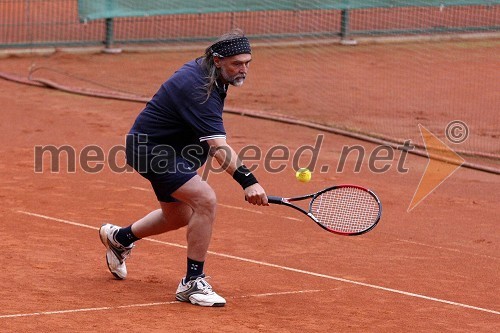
[167, 173]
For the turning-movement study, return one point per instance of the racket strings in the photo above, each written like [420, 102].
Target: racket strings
[346, 210]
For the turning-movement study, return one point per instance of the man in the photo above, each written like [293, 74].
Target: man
[170, 139]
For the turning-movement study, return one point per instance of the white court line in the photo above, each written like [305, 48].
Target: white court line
[285, 293]
[106, 308]
[263, 263]
[241, 208]
[446, 248]
[54, 312]
[140, 188]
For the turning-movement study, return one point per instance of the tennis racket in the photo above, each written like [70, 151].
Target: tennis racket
[344, 209]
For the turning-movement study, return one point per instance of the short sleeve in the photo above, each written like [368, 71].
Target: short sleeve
[203, 115]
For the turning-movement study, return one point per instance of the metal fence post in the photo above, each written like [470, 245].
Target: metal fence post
[344, 28]
[110, 37]
[110, 26]
[344, 23]
[109, 33]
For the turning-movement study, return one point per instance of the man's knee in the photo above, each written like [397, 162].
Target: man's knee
[198, 195]
[206, 201]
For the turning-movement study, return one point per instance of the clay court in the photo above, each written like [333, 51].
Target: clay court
[433, 269]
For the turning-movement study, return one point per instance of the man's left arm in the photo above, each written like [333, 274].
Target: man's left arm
[230, 162]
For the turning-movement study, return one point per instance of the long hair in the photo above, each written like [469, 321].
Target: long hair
[208, 62]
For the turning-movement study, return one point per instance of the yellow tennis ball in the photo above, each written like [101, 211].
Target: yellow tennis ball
[303, 175]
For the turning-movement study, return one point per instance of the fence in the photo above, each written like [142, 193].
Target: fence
[39, 23]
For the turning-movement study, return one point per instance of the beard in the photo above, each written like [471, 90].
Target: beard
[235, 80]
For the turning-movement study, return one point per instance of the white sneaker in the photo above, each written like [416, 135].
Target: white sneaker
[116, 253]
[198, 292]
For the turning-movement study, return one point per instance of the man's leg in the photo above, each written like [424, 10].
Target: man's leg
[171, 216]
[119, 241]
[201, 198]
[195, 208]
[198, 195]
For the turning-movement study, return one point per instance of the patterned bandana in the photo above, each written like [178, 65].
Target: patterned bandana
[231, 47]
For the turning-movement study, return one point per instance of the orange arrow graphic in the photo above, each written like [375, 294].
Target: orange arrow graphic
[443, 162]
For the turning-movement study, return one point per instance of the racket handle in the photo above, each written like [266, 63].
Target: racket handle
[274, 199]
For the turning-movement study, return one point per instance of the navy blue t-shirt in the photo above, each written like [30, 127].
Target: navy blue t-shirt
[180, 115]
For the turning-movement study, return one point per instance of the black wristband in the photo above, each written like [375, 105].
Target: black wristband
[244, 177]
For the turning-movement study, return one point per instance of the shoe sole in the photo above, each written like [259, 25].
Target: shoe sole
[216, 305]
[114, 274]
[104, 240]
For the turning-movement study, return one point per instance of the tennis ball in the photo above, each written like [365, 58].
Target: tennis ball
[303, 175]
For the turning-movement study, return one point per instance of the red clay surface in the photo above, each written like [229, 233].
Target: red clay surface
[434, 269]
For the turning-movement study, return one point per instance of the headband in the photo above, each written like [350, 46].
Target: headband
[231, 47]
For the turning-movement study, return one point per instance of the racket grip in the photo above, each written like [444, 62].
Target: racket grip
[274, 199]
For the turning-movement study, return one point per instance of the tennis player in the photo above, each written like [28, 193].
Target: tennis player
[171, 138]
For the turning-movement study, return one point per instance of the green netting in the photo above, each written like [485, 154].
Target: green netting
[98, 9]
